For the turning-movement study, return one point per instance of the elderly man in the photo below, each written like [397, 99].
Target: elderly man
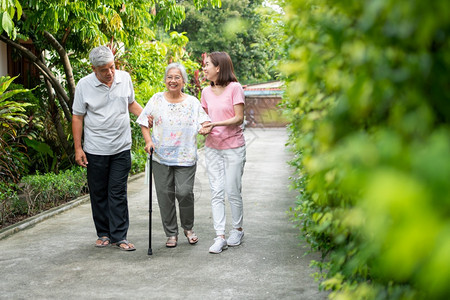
[103, 100]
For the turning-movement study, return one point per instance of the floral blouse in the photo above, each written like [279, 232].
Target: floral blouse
[175, 129]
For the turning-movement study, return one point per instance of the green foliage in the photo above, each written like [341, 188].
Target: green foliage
[44, 154]
[157, 54]
[37, 138]
[11, 111]
[9, 10]
[169, 13]
[369, 101]
[81, 67]
[8, 200]
[138, 160]
[137, 61]
[201, 3]
[12, 117]
[49, 190]
[93, 22]
[40, 192]
[249, 31]
[89, 22]
[200, 141]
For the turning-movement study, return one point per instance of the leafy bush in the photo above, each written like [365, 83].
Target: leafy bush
[49, 190]
[12, 117]
[37, 145]
[138, 160]
[8, 201]
[369, 103]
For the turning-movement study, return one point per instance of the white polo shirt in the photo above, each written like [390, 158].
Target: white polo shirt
[106, 118]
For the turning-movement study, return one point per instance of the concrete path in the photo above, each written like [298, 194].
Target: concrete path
[56, 259]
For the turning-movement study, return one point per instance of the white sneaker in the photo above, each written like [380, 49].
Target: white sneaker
[219, 245]
[235, 237]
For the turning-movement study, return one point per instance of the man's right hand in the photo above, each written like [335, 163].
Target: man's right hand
[80, 158]
[150, 121]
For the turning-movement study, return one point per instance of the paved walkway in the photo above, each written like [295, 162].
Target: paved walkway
[56, 259]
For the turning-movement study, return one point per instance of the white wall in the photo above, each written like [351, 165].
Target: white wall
[3, 60]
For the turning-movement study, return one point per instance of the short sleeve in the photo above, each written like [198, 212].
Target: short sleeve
[202, 115]
[203, 99]
[238, 94]
[131, 99]
[142, 120]
[78, 107]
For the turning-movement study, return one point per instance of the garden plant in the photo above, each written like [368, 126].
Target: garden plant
[369, 99]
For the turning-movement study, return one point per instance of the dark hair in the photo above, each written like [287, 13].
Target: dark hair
[226, 70]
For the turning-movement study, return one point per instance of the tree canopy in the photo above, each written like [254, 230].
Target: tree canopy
[248, 30]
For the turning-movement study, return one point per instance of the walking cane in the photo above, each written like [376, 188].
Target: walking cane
[150, 157]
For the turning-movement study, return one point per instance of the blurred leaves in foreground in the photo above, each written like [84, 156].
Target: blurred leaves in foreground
[369, 100]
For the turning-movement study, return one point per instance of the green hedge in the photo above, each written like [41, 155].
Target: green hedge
[50, 190]
[9, 201]
[37, 193]
[369, 102]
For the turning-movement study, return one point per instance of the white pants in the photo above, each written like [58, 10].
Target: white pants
[225, 169]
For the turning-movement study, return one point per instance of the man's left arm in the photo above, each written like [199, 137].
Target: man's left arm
[135, 108]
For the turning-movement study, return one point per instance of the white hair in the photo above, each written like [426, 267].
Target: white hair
[179, 67]
[100, 56]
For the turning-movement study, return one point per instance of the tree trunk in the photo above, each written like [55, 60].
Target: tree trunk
[66, 64]
[56, 118]
[47, 73]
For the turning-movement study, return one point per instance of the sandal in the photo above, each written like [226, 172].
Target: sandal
[104, 241]
[191, 236]
[171, 242]
[129, 246]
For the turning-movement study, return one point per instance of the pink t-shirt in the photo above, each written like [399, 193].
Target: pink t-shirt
[221, 108]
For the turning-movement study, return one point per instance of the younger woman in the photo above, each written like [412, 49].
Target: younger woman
[223, 100]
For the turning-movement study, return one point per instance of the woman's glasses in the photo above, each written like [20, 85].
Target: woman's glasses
[176, 78]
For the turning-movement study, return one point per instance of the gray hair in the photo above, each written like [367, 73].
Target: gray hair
[100, 56]
[179, 67]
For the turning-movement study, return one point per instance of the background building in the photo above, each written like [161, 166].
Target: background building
[261, 104]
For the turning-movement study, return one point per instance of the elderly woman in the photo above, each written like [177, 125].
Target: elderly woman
[177, 118]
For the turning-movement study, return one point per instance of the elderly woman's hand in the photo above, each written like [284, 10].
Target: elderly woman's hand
[149, 146]
[206, 128]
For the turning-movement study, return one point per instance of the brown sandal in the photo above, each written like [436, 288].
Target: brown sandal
[171, 242]
[191, 236]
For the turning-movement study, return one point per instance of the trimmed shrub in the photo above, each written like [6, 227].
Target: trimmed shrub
[50, 190]
[369, 102]
[8, 201]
